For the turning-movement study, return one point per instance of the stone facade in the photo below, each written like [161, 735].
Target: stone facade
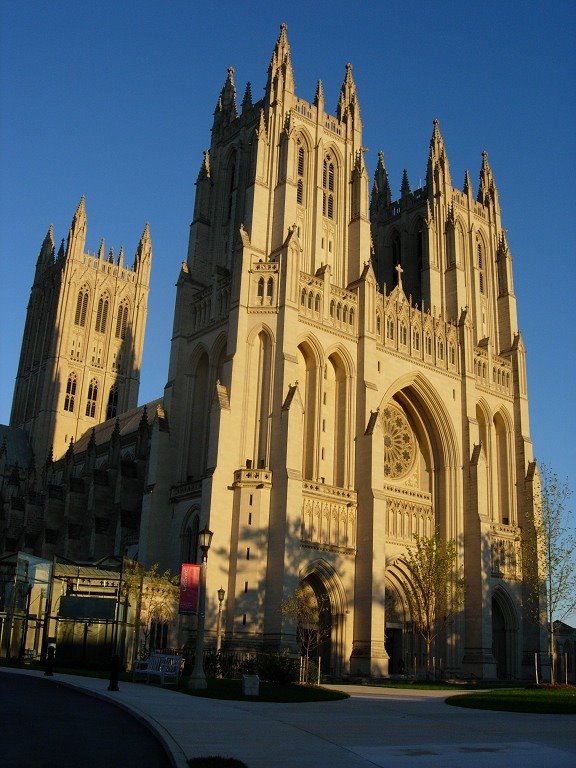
[346, 371]
[82, 349]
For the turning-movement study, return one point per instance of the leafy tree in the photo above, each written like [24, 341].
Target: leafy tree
[434, 588]
[304, 608]
[555, 549]
[159, 600]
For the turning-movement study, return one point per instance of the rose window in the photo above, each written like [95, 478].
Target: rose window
[399, 443]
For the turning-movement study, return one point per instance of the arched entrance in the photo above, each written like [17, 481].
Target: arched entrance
[504, 630]
[323, 627]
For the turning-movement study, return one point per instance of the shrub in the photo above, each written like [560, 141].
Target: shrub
[277, 668]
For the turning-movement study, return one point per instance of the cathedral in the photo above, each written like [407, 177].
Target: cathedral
[346, 372]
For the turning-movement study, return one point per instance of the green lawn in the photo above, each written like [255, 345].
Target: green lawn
[560, 700]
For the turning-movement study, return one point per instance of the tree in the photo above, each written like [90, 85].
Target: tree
[434, 588]
[159, 601]
[304, 608]
[555, 552]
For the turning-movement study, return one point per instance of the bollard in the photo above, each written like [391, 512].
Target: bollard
[114, 669]
[49, 671]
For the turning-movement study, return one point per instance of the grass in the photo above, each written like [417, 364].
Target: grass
[552, 700]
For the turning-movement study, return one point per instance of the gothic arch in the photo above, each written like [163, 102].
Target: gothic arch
[328, 589]
[258, 396]
[310, 377]
[503, 450]
[218, 355]
[189, 536]
[197, 420]
[504, 633]
[425, 407]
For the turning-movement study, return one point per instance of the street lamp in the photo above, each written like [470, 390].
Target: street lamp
[221, 594]
[197, 680]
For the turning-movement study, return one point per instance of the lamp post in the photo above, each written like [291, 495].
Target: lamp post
[197, 680]
[221, 594]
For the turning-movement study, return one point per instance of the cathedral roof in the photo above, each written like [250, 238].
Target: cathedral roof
[18, 449]
[128, 424]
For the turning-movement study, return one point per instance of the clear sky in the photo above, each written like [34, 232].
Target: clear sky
[114, 100]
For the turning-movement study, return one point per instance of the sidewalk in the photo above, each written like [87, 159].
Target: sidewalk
[389, 728]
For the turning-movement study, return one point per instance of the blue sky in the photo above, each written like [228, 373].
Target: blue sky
[114, 100]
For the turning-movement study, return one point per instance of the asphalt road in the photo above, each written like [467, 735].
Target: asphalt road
[47, 725]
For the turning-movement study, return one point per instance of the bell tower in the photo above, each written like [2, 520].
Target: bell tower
[83, 338]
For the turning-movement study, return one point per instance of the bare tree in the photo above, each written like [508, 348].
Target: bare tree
[555, 549]
[304, 609]
[434, 588]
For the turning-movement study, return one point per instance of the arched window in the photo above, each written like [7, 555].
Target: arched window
[441, 350]
[102, 314]
[189, 540]
[452, 354]
[122, 321]
[310, 299]
[428, 344]
[70, 393]
[92, 398]
[332, 309]
[112, 407]
[328, 186]
[81, 307]
[403, 334]
[389, 328]
[351, 317]
[317, 303]
[261, 288]
[270, 288]
[303, 298]
[300, 173]
[378, 325]
[481, 265]
[416, 339]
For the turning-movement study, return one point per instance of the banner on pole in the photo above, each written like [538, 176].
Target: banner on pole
[189, 588]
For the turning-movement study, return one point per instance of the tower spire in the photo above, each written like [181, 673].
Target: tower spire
[46, 255]
[381, 193]
[348, 101]
[144, 250]
[438, 170]
[77, 232]
[226, 111]
[487, 191]
[280, 73]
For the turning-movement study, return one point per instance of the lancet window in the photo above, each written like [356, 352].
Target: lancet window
[70, 393]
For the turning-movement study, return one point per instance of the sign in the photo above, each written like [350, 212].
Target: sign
[189, 588]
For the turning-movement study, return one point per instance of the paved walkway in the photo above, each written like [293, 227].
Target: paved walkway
[387, 728]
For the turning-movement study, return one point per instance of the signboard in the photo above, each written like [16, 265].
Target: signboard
[189, 588]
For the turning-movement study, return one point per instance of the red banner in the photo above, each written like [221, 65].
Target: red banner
[189, 588]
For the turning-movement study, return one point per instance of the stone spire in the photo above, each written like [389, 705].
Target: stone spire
[468, 189]
[280, 73]
[348, 101]
[487, 192]
[46, 255]
[319, 96]
[225, 111]
[77, 232]
[438, 170]
[247, 100]
[144, 250]
[405, 187]
[381, 194]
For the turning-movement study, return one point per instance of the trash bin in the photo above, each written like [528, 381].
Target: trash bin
[250, 685]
